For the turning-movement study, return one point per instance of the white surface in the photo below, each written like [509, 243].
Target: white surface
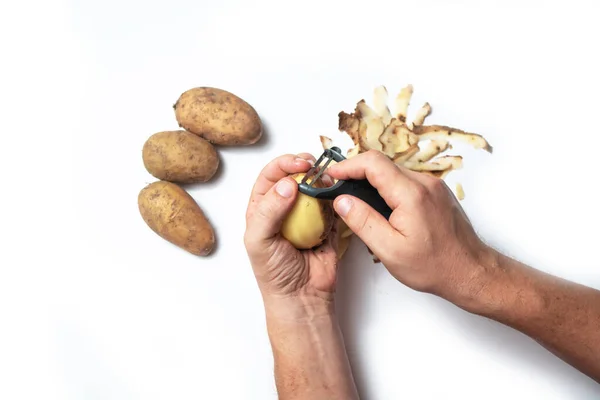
[95, 306]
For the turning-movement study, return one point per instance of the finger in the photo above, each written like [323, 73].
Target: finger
[327, 180]
[394, 184]
[279, 168]
[270, 210]
[370, 226]
[275, 170]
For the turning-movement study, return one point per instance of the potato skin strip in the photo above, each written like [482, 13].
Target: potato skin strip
[434, 148]
[446, 132]
[423, 113]
[460, 193]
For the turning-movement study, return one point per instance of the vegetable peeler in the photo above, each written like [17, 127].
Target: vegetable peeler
[360, 188]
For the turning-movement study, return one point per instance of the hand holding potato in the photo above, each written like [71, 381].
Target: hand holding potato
[428, 243]
[280, 269]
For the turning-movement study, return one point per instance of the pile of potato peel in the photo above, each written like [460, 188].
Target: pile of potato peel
[208, 118]
[409, 144]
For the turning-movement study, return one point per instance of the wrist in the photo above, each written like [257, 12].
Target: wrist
[297, 309]
[473, 279]
[501, 289]
[300, 323]
[310, 359]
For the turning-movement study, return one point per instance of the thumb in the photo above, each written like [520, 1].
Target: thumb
[370, 226]
[272, 209]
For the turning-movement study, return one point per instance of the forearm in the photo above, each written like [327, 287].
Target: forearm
[562, 316]
[308, 349]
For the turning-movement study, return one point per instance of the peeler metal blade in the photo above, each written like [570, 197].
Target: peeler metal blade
[315, 173]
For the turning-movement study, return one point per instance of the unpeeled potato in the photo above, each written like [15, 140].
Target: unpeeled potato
[174, 215]
[180, 156]
[310, 221]
[218, 116]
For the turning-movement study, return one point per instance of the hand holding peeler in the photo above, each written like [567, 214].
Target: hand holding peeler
[360, 188]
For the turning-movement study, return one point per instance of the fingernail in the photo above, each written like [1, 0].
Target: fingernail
[284, 188]
[303, 160]
[343, 206]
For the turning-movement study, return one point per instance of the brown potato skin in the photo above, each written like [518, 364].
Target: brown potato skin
[218, 116]
[180, 156]
[174, 215]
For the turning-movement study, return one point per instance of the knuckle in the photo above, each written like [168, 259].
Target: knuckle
[273, 161]
[265, 210]
[361, 222]
[374, 155]
[419, 193]
[435, 184]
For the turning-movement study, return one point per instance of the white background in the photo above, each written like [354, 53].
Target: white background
[94, 305]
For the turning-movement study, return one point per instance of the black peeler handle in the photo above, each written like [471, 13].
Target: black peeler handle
[362, 189]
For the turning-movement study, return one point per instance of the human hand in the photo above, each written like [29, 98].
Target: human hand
[428, 242]
[282, 271]
[310, 360]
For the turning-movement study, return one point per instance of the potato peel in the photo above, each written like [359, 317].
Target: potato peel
[402, 103]
[396, 139]
[371, 127]
[460, 193]
[423, 113]
[445, 132]
[434, 147]
[439, 164]
[410, 144]
[349, 123]
[380, 97]
[377, 128]
[400, 159]
[326, 142]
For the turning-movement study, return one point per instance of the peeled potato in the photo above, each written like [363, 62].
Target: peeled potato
[218, 116]
[180, 156]
[174, 215]
[310, 221]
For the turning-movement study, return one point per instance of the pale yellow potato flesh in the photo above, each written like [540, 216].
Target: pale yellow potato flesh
[309, 222]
